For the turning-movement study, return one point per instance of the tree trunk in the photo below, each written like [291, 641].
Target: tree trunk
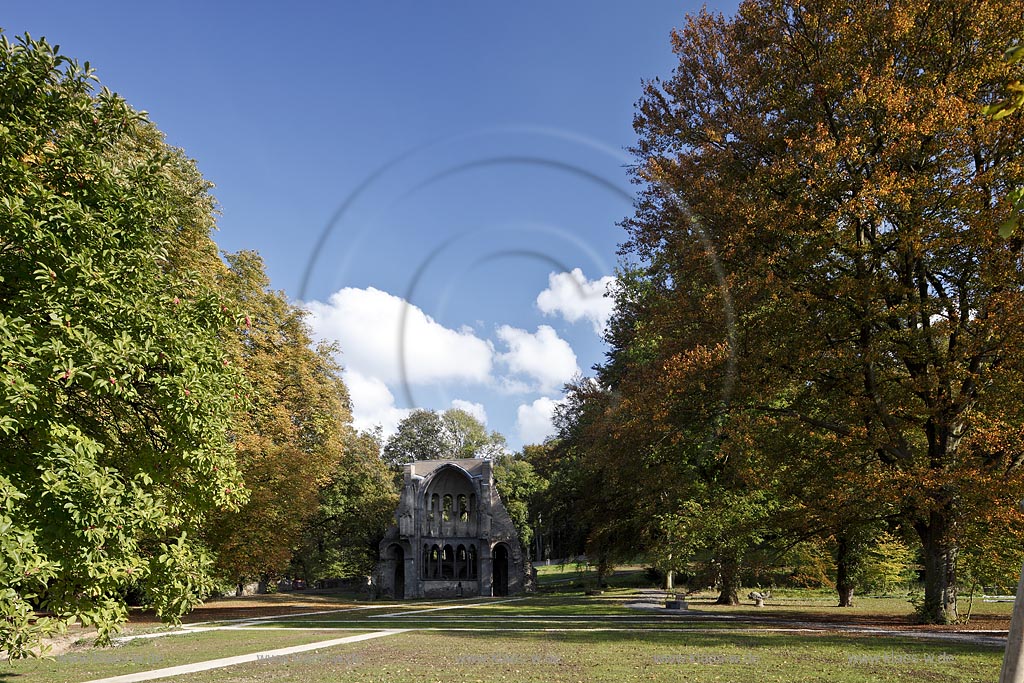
[940, 558]
[729, 581]
[844, 568]
[604, 565]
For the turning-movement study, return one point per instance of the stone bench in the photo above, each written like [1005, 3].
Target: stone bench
[675, 602]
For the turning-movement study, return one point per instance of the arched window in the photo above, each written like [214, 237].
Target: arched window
[446, 512]
[461, 565]
[435, 562]
[472, 562]
[463, 508]
[433, 506]
[447, 563]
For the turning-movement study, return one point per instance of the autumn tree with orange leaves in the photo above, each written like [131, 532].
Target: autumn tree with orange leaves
[817, 230]
[290, 439]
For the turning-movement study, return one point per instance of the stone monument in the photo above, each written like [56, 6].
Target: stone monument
[452, 536]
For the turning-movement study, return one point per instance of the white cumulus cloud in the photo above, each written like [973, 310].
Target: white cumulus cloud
[534, 420]
[372, 403]
[367, 323]
[542, 355]
[474, 409]
[574, 297]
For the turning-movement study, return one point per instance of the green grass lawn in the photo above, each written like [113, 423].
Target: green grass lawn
[817, 606]
[571, 578]
[616, 657]
[84, 663]
[555, 637]
[795, 604]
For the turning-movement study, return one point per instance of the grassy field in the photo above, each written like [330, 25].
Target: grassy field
[494, 656]
[795, 604]
[556, 636]
[84, 662]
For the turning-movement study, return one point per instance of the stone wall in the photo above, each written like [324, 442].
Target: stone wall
[450, 528]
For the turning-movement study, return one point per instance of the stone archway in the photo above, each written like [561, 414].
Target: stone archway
[398, 579]
[499, 570]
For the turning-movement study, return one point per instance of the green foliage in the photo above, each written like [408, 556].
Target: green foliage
[560, 516]
[816, 262]
[518, 485]
[887, 565]
[1011, 101]
[24, 574]
[289, 440]
[115, 399]
[1013, 98]
[354, 509]
[464, 436]
[453, 434]
[420, 436]
[810, 565]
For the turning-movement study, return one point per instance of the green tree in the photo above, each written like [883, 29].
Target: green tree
[599, 504]
[559, 530]
[887, 565]
[697, 492]
[518, 485]
[355, 507]
[420, 436]
[453, 434]
[835, 166]
[1011, 101]
[467, 437]
[290, 440]
[116, 399]
[1013, 97]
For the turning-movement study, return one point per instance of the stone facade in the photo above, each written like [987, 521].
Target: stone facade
[452, 536]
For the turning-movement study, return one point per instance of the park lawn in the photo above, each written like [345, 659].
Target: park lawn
[622, 656]
[567, 577]
[469, 608]
[512, 624]
[225, 609]
[882, 610]
[355, 615]
[547, 605]
[792, 605]
[550, 638]
[574, 580]
[84, 663]
[788, 606]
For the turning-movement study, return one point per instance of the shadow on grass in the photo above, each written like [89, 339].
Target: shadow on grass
[266, 604]
[741, 640]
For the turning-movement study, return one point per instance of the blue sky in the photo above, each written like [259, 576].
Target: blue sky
[439, 182]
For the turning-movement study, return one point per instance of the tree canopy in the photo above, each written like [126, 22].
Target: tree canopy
[453, 434]
[354, 509]
[117, 396]
[289, 440]
[817, 287]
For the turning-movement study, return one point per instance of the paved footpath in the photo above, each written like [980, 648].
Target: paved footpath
[171, 671]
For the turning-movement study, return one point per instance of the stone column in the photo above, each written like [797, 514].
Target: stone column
[486, 569]
[412, 579]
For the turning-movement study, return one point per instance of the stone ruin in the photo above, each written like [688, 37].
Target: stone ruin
[452, 536]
